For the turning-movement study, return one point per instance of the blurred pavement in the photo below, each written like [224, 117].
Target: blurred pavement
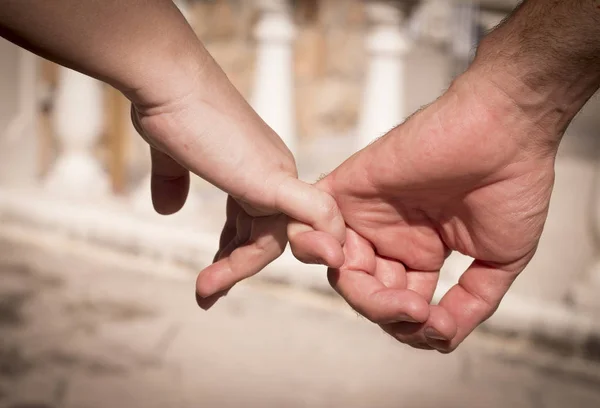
[84, 332]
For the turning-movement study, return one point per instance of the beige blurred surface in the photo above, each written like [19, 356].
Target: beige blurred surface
[83, 334]
[96, 316]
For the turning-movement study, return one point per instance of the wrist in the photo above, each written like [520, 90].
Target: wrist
[546, 59]
[167, 74]
[550, 102]
[502, 111]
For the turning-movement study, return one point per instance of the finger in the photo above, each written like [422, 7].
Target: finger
[232, 210]
[311, 206]
[170, 183]
[390, 272]
[436, 331]
[372, 299]
[440, 327]
[357, 282]
[207, 303]
[266, 243]
[423, 282]
[243, 231]
[404, 332]
[419, 335]
[422, 346]
[476, 296]
[314, 247]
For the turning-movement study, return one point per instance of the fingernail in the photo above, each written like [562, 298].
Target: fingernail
[319, 261]
[432, 333]
[406, 318]
[206, 303]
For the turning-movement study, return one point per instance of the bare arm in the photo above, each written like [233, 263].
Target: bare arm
[133, 44]
[546, 58]
[473, 172]
[192, 116]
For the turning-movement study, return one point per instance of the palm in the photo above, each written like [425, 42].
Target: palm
[429, 187]
[492, 221]
[235, 150]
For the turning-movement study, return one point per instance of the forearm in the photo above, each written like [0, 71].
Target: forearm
[546, 58]
[131, 44]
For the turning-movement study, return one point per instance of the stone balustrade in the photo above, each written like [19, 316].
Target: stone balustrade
[388, 44]
[554, 297]
[78, 124]
[273, 93]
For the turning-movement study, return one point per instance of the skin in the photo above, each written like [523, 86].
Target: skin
[434, 185]
[193, 118]
[473, 172]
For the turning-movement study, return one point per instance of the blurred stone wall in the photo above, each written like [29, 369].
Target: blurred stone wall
[330, 56]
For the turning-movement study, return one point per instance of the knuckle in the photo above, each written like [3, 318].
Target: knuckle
[331, 219]
[371, 315]
[266, 244]
[329, 208]
[262, 244]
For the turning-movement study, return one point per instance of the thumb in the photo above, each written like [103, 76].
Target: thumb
[170, 182]
[316, 229]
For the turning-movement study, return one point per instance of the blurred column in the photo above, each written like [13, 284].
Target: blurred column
[19, 143]
[432, 22]
[388, 44]
[465, 34]
[273, 96]
[78, 124]
[585, 292]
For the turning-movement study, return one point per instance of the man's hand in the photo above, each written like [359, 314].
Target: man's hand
[473, 173]
[469, 173]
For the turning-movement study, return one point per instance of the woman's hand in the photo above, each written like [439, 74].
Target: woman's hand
[210, 130]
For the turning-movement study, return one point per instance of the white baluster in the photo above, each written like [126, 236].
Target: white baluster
[464, 34]
[273, 96]
[432, 21]
[585, 293]
[388, 44]
[142, 196]
[78, 123]
[18, 117]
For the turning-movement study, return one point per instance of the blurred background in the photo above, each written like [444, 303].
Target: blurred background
[97, 303]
